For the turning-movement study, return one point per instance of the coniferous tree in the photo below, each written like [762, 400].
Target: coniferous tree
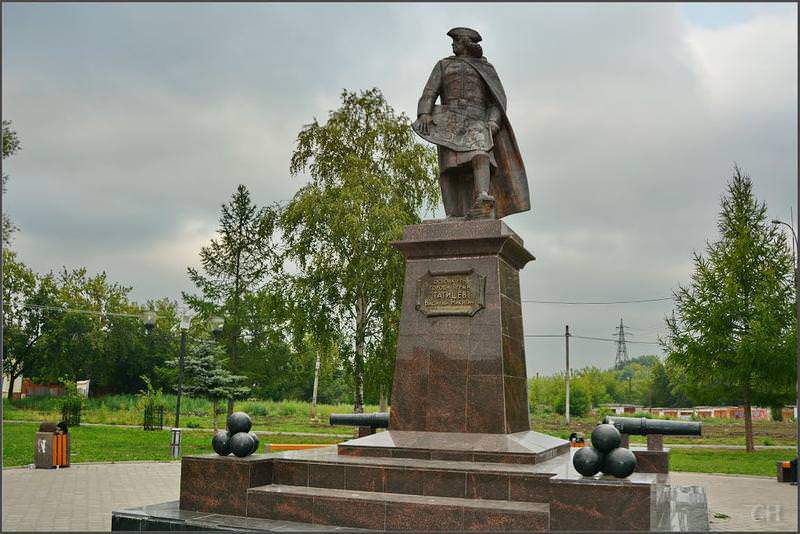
[735, 326]
[235, 268]
[207, 377]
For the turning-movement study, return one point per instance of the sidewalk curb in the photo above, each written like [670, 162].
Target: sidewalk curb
[78, 464]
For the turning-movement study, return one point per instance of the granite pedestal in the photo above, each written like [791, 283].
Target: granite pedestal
[459, 453]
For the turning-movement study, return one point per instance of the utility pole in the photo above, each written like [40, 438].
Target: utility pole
[566, 407]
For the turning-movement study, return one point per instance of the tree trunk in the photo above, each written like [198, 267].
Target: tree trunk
[748, 422]
[230, 406]
[358, 363]
[214, 418]
[383, 399]
[316, 384]
[11, 379]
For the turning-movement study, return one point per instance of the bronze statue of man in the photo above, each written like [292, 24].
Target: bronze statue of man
[480, 167]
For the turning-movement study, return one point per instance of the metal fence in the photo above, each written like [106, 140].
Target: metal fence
[153, 418]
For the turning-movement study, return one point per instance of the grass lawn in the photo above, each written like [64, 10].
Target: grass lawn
[715, 431]
[104, 444]
[739, 462]
[278, 416]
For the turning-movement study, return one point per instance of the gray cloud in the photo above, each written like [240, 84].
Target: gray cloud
[138, 121]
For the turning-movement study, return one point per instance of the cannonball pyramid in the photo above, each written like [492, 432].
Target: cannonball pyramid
[238, 439]
[605, 455]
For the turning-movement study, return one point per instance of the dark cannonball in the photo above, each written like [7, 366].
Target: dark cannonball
[239, 422]
[221, 443]
[588, 461]
[619, 463]
[606, 438]
[242, 444]
[256, 441]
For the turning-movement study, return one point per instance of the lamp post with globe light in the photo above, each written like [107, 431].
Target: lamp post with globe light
[215, 324]
[186, 322]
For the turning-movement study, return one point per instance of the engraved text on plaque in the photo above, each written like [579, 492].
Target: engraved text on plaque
[454, 293]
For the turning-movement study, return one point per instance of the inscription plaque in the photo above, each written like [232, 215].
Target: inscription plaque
[451, 293]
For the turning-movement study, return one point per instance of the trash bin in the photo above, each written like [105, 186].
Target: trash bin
[52, 446]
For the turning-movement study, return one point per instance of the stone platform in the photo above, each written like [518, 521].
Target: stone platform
[301, 490]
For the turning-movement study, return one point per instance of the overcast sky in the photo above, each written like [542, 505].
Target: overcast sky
[138, 121]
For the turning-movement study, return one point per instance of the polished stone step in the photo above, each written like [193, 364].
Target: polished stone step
[414, 477]
[393, 511]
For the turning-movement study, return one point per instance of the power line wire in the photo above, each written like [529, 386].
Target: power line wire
[636, 301]
[591, 338]
[616, 340]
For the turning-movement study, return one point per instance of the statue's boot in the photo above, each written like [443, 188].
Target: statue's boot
[483, 208]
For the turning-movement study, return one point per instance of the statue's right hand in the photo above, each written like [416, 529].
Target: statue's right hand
[424, 121]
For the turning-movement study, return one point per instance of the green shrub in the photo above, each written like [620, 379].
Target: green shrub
[71, 410]
[604, 411]
[578, 401]
[255, 409]
[646, 415]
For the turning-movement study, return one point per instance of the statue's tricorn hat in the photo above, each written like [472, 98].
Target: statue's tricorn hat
[469, 33]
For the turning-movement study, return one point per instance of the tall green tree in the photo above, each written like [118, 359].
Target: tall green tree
[11, 145]
[668, 389]
[29, 312]
[368, 177]
[234, 272]
[76, 346]
[735, 327]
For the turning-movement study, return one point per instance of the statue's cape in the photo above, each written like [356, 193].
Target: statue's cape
[510, 183]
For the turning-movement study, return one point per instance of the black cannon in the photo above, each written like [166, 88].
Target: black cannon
[641, 426]
[371, 420]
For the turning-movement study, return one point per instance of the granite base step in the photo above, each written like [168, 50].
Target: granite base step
[393, 511]
[414, 477]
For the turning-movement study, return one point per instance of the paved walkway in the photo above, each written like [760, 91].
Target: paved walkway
[82, 497]
[745, 503]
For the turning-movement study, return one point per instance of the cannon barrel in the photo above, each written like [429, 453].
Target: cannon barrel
[373, 420]
[641, 426]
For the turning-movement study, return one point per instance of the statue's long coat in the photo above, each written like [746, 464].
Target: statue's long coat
[509, 184]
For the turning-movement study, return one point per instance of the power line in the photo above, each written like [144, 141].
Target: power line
[590, 338]
[616, 340]
[636, 301]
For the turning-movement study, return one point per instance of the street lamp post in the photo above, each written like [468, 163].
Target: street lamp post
[186, 322]
[796, 249]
